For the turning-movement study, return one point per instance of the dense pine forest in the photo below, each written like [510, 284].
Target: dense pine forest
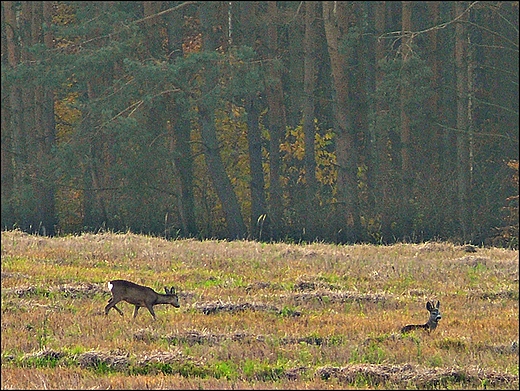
[342, 122]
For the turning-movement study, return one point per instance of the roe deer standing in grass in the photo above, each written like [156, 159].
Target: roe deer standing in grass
[140, 296]
[435, 316]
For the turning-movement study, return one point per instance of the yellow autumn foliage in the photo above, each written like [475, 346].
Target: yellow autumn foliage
[294, 149]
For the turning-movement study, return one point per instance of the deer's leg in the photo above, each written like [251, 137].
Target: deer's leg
[135, 310]
[150, 308]
[109, 305]
[118, 310]
[112, 304]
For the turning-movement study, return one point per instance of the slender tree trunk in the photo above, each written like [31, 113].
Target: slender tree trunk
[180, 132]
[406, 168]
[28, 94]
[382, 166]
[310, 39]
[293, 56]
[277, 124]
[153, 44]
[338, 16]
[46, 127]
[246, 34]
[95, 214]
[37, 111]
[368, 56]
[49, 129]
[361, 68]
[221, 182]
[463, 121]
[7, 131]
[436, 142]
[434, 14]
[18, 146]
[254, 138]
[180, 147]
[447, 117]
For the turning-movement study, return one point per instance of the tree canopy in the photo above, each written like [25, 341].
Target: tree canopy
[334, 121]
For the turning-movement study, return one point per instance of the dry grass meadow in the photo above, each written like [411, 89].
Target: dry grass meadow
[256, 316]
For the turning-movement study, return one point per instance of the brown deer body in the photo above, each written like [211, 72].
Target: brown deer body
[139, 296]
[435, 316]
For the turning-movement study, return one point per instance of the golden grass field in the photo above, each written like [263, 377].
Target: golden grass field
[256, 315]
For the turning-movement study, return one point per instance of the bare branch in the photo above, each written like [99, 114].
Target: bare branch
[134, 107]
[132, 24]
[441, 26]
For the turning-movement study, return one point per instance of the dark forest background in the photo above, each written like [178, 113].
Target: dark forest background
[341, 122]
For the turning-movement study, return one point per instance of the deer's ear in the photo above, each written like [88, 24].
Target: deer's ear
[166, 290]
[438, 304]
[429, 306]
[172, 291]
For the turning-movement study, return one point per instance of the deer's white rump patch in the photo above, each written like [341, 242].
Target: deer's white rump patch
[110, 286]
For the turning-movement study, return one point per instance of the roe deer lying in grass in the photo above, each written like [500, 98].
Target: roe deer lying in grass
[138, 295]
[435, 316]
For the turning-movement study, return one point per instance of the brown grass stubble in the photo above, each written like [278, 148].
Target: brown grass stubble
[359, 294]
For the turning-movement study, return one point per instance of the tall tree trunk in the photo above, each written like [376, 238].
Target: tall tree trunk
[179, 129]
[447, 120]
[28, 97]
[7, 131]
[434, 16]
[293, 60]
[151, 27]
[254, 139]
[39, 161]
[382, 166]
[46, 128]
[18, 132]
[338, 17]
[277, 123]
[246, 34]
[360, 84]
[368, 58]
[463, 121]
[435, 141]
[405, 213]
[221, 182]
[31, 21]
[95, 214]
[180, 148]
[180, 132]
[49, 128]
[310, 39]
